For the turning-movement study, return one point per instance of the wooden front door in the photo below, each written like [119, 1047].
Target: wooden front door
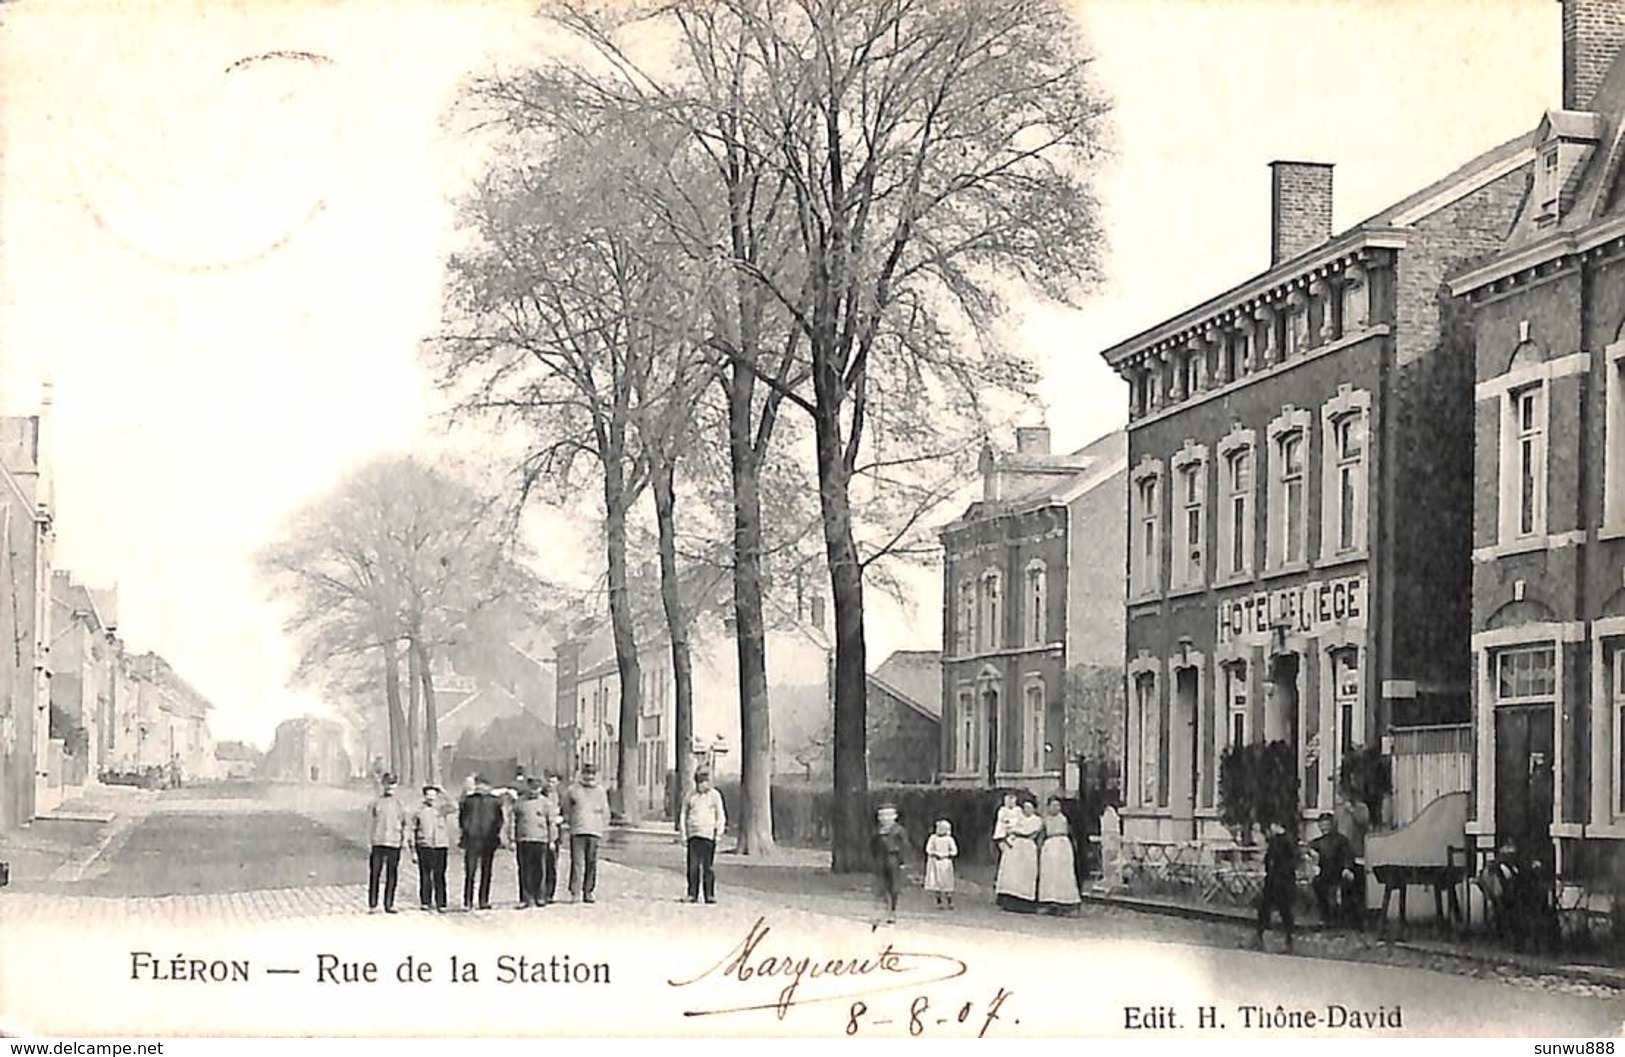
[1187, 692]
[1524, 741]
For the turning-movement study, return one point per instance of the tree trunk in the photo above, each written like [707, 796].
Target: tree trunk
[413, 684]
[850, 822]
[431, 719]
[397, 716]
[682, 734]
[755, 720]
[625, 798]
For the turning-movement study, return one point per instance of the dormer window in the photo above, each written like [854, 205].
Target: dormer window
[1547, 183]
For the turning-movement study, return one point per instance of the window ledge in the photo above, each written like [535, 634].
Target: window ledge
[1614, 832]
[1292, 569]
[1238, 580]
[1005, 653]
[1330, 561]
[1523, 545]
[1611, 532]
[1188, 590]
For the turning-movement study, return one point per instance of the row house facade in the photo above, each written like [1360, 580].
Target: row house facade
[1548, 591]
[26, 544]
[72, 703]
[86, 655]
[1298, 493]
[1032, 587]
[171, 719]
[800, 659]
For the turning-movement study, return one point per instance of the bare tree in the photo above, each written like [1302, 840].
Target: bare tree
[397, 558]
[452, 552]
[873, 178]
[561, 318]
[718, 206]
[929, 154]
[934, 152]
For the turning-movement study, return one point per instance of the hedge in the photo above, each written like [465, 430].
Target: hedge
[801, 814]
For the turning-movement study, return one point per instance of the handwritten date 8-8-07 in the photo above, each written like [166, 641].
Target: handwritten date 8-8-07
[926, 1016]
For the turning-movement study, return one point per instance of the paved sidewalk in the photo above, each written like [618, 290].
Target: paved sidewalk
[1408, 940]
[802, 876]
[60, 846]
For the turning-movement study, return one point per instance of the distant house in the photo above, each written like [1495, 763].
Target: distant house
[903, 725]
[493, 724]
[905, 717]
[236, 760]
[502, 748]
[476, 684]
[307, 750]
[1033, 587]
[799, 657]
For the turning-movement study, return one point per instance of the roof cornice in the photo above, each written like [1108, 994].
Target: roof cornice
[1530, 258]
[1262, 287]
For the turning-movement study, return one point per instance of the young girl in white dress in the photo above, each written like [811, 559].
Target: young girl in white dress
[940, 852]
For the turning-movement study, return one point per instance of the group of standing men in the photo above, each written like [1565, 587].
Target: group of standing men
[534, 818]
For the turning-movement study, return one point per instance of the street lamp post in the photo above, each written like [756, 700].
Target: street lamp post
[717, 746]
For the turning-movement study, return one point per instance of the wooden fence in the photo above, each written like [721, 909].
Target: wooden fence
[1429, 762]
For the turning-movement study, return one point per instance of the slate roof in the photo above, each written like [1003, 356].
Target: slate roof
[914, 676]
[1394, 218]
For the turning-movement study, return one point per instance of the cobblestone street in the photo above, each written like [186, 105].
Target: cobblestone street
[247, 859]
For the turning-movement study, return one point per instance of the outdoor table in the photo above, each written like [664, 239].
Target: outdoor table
[1237, 874]
[1184, 863]
[1160, 856]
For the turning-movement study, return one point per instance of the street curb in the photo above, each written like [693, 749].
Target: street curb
[100, 817]
[1591, 974]
[1185, 910]
[1595, 975]
[118, 834]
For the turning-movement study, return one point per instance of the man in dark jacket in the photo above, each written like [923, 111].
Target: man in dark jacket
[1280, 882]
[479, 826]
[1335, 878]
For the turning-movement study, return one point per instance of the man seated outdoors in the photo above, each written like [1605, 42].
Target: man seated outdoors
[1337, 885]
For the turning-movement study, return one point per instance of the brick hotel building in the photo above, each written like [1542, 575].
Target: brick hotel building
[1300, 463]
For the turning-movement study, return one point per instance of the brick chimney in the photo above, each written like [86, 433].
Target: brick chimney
[1593, 33]
[1300, 207]
[1032, 440]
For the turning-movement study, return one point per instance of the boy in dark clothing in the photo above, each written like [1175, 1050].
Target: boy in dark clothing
[1280, 882]
[887, 848]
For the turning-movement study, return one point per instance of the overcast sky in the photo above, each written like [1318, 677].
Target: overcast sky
[225, 274]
